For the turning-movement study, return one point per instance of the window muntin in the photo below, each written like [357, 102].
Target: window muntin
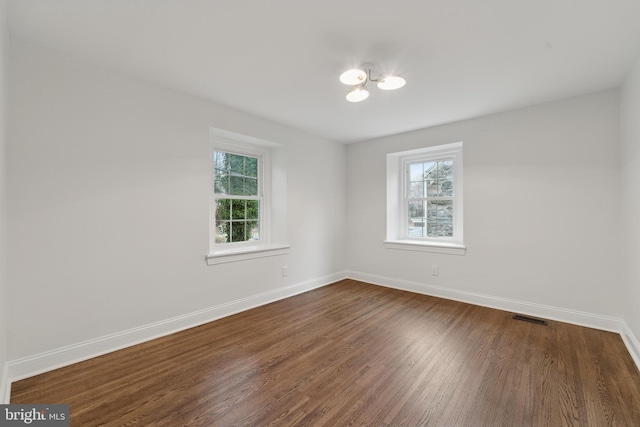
[238, 200]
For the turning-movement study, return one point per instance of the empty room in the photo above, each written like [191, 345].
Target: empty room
[288, 213]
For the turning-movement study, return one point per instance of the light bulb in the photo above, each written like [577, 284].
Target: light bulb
[353, 77]
[357, 95]
[391, 83]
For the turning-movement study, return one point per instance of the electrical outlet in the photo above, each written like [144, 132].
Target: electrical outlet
[285, 271]
[434, 270]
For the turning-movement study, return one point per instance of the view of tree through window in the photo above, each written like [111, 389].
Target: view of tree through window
[430, 199]
[237, 198]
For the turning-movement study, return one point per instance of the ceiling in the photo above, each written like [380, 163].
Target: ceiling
[281, 59]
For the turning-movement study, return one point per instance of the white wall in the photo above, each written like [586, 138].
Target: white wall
[108, 204]
[108, 207]
[3, 300]
[630, 124]
[541, 212]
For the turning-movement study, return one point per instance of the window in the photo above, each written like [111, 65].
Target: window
[424, 199]
[237, 197]
[429, 198]
[248, 198]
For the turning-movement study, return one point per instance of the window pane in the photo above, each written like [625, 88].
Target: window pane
[416, 228]
[431, 170]
[440, 229]
[432, 211]
[237, 231]
[221, 182]
[445, 209]
[440, 218]
[236, 164]
[416, 209]
[446, 228]
[432, 188]
[223, 209]
[446, 188]
[220, 160]
[251, 187]
[417, 190]
[446, 169]
[222, 231]
[416, 221]
[238, 210]
[253, 209]
[253, 230]
[251, 165]
[416, 171]
[237, 185]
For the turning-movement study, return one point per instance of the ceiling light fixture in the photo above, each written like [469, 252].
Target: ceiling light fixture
[359, 77]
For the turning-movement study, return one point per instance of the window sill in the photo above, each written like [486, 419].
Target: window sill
[413, 245]
[243, 253]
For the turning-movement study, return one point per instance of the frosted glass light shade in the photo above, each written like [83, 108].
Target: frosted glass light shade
[353, 77]
[357, 95]
[391, 83]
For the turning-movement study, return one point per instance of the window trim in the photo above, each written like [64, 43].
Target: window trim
[222, 140]
[241, 253]
[397, 185]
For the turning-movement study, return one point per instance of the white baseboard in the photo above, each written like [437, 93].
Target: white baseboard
[632, 343]
[580, 318]
[64, 356]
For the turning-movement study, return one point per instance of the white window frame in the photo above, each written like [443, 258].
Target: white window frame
[220, 253]
[397, 200]
[264, 166]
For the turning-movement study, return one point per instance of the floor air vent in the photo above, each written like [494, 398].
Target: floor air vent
[530, 319]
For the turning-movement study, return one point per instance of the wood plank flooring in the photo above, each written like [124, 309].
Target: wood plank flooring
[355, 354]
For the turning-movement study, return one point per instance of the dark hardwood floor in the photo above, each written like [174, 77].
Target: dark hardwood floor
[355, 354]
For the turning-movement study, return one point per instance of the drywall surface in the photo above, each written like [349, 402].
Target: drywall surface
[541, 207]
[108, 193]
[630, 125]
